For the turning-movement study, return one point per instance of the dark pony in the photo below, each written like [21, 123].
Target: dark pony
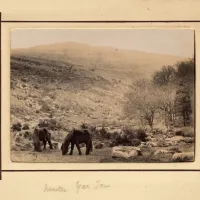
[41, 134]
[76, 137]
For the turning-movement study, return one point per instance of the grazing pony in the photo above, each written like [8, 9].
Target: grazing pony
[41, 134]
[76, 137]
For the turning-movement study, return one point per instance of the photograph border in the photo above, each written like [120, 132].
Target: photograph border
[103, 21]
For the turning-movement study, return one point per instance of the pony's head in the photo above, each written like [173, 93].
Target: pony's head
[65, 147]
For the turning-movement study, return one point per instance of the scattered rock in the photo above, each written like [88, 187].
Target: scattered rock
[18, 139]
[188, 140]
[22, 142]
[143, 144]
[170, 143]
[183, 157]
[161, 151]
[27, 134]
[148, 138]
[24, 85]
[125, 152]
[154, 140]
[149, 134]
[27, 118]
[56, 145]
[152, 144]
[24, 79]
[175, 138]
[36, 87]
[174, 149]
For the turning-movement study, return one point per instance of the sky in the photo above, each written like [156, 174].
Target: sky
[179, 42]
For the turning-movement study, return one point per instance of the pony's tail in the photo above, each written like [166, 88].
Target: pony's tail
[91, 145]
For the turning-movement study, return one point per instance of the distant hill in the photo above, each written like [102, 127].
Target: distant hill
[107, 62]
[76, 82]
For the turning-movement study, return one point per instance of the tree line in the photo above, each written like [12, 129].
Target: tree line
[168, 95]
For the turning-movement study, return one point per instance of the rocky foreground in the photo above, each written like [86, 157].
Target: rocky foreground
[111, 145]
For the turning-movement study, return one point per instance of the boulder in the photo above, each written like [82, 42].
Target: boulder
[125, 152]
[22, 142]
[183, 157]
[56, 145]
[175, 139]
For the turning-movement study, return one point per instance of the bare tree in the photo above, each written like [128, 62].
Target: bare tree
[167, 95]
[142, 101]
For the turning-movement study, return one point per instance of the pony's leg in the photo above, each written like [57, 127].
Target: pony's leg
[50, 144]
[35, 147]
[44, 142]
[87, 148]
[78, 147]
[72, 148]
[91, 146]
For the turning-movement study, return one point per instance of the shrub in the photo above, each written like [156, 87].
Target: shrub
[130, 137]
[139, 133]
[17, 127]
[185, 132]
[50, 123]
[104, 133]
[25, 127]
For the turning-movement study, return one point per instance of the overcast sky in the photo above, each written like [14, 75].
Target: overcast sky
[164, 41]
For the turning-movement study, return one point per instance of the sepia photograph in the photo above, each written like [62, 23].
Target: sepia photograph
[102, 95]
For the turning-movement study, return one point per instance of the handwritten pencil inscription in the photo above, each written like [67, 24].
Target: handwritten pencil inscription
[79, 186]
[98, 185]
[54, 189]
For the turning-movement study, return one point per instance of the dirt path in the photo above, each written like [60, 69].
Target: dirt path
[53, 156]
